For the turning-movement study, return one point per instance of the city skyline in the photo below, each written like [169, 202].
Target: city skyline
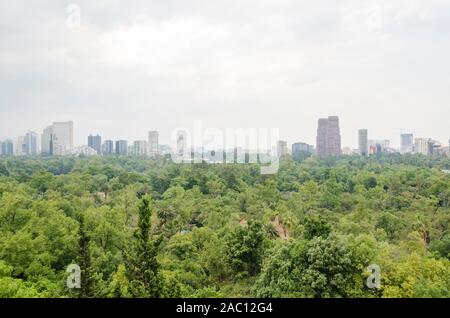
[58, 139]
[395, 143]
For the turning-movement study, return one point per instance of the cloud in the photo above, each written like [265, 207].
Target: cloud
[132, 67]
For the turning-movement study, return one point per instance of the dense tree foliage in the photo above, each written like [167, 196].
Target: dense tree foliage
[151, 228]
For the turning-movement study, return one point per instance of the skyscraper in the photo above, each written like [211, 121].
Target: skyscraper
[153, 143]
[363, 142]
[57, 139]
[140, 148]
[121, 147]
[328, 137]
[31, 143]
[63, 143]
[406, 143]
[109, 147]
[282, 149]
[47, 141]
[95, 142]
[20, 147]
[423, 146]
[8, 148]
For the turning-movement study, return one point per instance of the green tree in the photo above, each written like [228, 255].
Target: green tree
[142, 264]
[245, 248]
[84, 261]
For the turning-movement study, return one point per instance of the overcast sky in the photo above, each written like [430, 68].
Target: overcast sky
[135, 66]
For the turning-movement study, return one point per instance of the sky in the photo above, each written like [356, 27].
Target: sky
[122, 68]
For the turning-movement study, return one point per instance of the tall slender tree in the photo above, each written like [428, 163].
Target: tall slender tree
[84, 261]
[142, 264]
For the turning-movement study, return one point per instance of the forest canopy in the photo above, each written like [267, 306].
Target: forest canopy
[140, 227]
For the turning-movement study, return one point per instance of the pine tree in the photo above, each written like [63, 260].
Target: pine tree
[142, 265]
[84, 261]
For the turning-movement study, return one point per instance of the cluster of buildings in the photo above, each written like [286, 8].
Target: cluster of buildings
[58, 139]
[328, 143]
[149, 147]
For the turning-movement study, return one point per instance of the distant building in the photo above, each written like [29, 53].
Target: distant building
[140, 148]
[347, 151]
[108, 147]
[85, 151]
[63, 143]
[47, 141]
[406, 143]
[57, 139]
[282, 149]
[121, 147]
[301, 149]
[436, 148]
[423, 146]
[95, 142]
[363, 142]
[153, 143]
[20, 147]
[165, 150]
[31, 143]
[328, 137]
[379, 146]
[8, 148]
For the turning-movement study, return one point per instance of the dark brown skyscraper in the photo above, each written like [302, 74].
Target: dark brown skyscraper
[328, 137]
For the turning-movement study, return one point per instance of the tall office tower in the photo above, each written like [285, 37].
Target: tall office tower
[20, 147]
[57, 139]
[121, 147]
[282, 149]
[63, 143]
[423, 146]
[31, 143]
[8, 148]
[153, 143]
[95, 142]
[363, 142]
[108, 147]
[140, 148]
[328, 137]
[406, 143]
[47, 141]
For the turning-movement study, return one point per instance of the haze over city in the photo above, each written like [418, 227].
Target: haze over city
[153, 65]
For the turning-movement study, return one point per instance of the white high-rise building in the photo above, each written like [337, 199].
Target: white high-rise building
[363, 142]
[406, 143]
[423, 146]
[153, 143]
[140, 148]
[47, 141]
[63, 132]
[19, 148]
[282, 149]
[57, 139]
[31, 143]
